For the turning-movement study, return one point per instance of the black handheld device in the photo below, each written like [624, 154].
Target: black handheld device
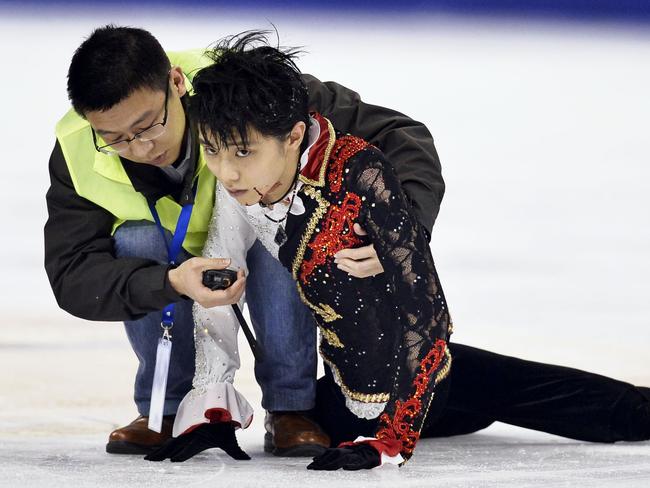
[220, 279]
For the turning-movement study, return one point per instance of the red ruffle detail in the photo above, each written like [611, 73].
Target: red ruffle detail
[390, 447]
[215, 416]
[398, 428]
[317, 151]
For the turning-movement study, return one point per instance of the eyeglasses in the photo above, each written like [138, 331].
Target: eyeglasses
[146, 135]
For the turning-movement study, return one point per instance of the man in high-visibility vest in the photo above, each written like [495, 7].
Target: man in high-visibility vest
[126, 167]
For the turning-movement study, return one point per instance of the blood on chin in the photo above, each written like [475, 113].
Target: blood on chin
[249, 202]
[255, 196]
[262, 193]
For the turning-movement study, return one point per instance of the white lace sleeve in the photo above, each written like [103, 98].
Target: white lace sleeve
[213, 397]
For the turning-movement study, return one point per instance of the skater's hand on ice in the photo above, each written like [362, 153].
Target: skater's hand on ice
[351, 458]
[187, 280]
[360, 262]
[207, 436]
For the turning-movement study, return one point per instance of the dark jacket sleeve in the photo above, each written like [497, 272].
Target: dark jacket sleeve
[421, 359]
[87, 280]
[407, 144]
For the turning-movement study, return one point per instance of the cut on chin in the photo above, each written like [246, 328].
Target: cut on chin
[249, 198]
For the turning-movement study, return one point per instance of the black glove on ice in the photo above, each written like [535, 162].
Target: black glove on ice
[352, 458]
[207, 436]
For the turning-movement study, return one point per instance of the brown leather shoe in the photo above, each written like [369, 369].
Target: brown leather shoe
[293, 434]
[136, 438]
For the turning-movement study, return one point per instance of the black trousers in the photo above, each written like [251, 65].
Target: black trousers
[484, 387]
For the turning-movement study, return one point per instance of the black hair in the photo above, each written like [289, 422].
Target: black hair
[111, 64]
[250, 85]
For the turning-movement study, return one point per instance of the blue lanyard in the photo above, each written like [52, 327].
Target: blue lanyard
[173, 248]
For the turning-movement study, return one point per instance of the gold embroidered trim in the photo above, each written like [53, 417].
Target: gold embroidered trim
[326, 158]
[325, 311]
[444, 371]
[331, 338]
[311, 227]
[354, 395]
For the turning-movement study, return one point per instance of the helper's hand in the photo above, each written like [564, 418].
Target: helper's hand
[351, 458]
[207, 436]
[360, 262]
[187, 280]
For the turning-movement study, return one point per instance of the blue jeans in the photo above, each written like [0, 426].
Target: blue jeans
[283, 325]
[285, 329]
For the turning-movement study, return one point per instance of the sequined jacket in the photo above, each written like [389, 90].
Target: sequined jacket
[384, 338]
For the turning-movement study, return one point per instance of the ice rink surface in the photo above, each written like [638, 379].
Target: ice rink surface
[542, 242]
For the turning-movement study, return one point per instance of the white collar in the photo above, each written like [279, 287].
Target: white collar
[313, 133]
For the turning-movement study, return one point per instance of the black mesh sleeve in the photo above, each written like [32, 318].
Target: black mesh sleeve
[421, 357]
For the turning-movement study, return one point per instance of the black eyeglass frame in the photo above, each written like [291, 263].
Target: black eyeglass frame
[103, 149]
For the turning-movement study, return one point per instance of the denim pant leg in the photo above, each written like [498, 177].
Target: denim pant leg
[143, 240]
[286, 330]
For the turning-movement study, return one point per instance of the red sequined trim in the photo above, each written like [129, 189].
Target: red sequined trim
[336, 233]
[344, 148]
[337, 226]
[399, 427]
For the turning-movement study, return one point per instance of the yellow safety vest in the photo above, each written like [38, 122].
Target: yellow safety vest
[101, 178]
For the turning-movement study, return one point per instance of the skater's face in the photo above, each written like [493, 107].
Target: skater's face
[152, 120]
[264, 169]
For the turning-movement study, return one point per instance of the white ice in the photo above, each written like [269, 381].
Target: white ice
[542, 242]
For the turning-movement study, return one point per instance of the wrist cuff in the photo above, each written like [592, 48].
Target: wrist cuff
[389, 450]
